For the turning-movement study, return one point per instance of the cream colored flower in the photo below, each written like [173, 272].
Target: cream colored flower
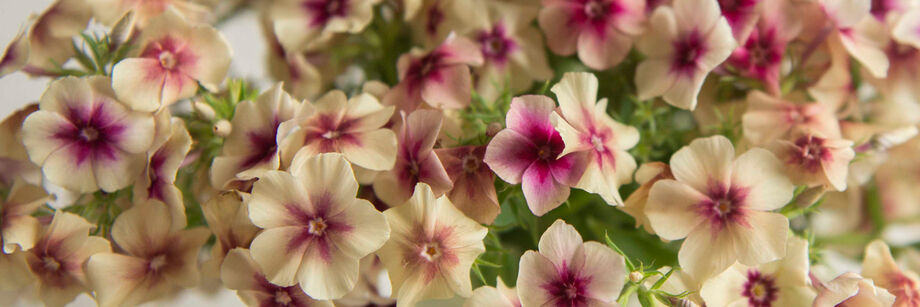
[647, 175]
[770, 118]
[14, 159]
[879, 265]
[500, 296]
[852, 290]
[307, 24]
[19, 230]
[813, 160]
[431, 249]
[228, 219]
[109, 11]
[163, 161]
[239, 272]
[316, 230]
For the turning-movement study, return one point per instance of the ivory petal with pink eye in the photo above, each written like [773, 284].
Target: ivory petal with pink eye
[431, 248]
[173, 57]
[741, 16]
[84, 139]
[529, 151]
[157, 255]
[683, 44]
[879, 265]
[110, 11]
[601, 31]
[722, 205]
[500, 296]
[569, 272]
[851, 290]
[163, 162]
[228, 220]
[352, 127]
[16, 54]
[783, 282]
[415, 160]
[316, 230]
[858, 32]
[58, 257]
[50, 37]
[813, 160]
[769, 118]
[19, 230]
[239, 272]
[585, 126]
[252, 147]
[473, 189]
[307, 24]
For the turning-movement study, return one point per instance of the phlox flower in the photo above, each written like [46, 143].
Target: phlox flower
[431, 21]
[163, 161]
[44, 45]
[529, 151]
[228, 219]
[647, 175]
[173, 56]
[316, 230]
[252, 147]
[742, 15]
[907, 29]
[856, 30]
[760, 51]
[569, 272]
[683, 44]
[109, 11]
[307, 24]
[57, 259]
[17, 277]
[473, 190]
[782, 282]
[84, 138]
[157, 255]
[416, 160]
[431, 249]
[586, 127]
[373, 287]
[500, 296]
[814, 160]
[353, 127]
[601, 31]
[440, 78]
[879, 265]
[851, 290]
[721, 205]
[239, 272]
[19, 230]
[14, 159]
[770, 118]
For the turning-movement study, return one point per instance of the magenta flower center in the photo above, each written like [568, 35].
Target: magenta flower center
[547, 152]
[495, 44]
[810, 152]
[724, 205]
[94, 133]
[763, 49]
[569, 288]
[435, 18]
[687, 52]
[596, 9]
[171, 53]
[759, 289]
[735, 10]
[89, 134]
[324, 10]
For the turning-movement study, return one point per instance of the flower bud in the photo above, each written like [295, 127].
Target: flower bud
[493, 129]
[123, 30]
[222, 128]
[635, 276]
[204, 110]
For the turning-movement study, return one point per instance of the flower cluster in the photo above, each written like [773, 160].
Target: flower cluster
[467, 152]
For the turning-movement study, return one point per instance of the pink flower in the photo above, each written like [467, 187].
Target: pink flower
[769, 118]
[721, 205]
[440, 78]
[683, 45]
[586, 127]
[415, 160]
[570, 272]
[529, 152]
[856, 30]
[307, 24]
[741, 15]
[173, 57]
[239, 272]
[109, 11]
[431, 21]
[473, 189]
[760, 53]
[851, 290]
[879, 265]
[813, 160]
[431, 249]
[86, 140]
[163, 162]
[46, 44]
[601, 31]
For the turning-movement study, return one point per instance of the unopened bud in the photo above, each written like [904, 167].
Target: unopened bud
[222, 128]
[635, 276]
[123, 30]
[493, 129]
[204, 110]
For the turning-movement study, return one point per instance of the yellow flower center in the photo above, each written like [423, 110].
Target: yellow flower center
[89, 134]
[167, 60]
[317, 226]
[431, 251]
[598, 143]
[724, 207]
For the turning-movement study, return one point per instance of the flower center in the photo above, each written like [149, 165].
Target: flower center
[89, 134]
[431, 251]
[569, 288]
[282, 298]
[470, 163]
[687, 52]
[545, 153]
[157, 263]
[413, 168]
[810, 152]
[333, 7]
[317, 226]
[596, 9]
[50, 263]
[724, 207]
[167, 60]
[331, 134]
[598, 143]
[759, 289]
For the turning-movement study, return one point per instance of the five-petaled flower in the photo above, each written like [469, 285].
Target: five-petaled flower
[416, 160]
[601, 31]
[308, 24]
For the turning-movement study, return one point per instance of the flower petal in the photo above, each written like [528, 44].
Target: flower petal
[449, 88]
[541, 191]
[603, 52]
[509, 154]
[704, 161]
[375, 150]
[606, 268]
[560, 242]
[762, 240]
[762, 174]
[561, 37]
[279, 259]
[671, 209]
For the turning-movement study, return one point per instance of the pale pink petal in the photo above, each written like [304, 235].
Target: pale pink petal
[140, 82]
[697, 15]
[559, 243]
[654, 78]
[685, 89]
[271, 196]
[837, 170]
[866, 51]
[706, 252]
[449, 88]
[421, 130]
[603, 52]
[326, 175]
[541, 190]
[509, 154]
[906, 30]
[719, 45]
[846, 13]
[375, 150]
[38, 134]
[432, 172]
[560, 36]
[703, 162]
[529, 115]
[279, 259]
[460, 50]
[671, 209]
[535, 271]
[214, 52]
[577, 94]
[762, 239]
[758, 171]
[605, 267]
[656, 42]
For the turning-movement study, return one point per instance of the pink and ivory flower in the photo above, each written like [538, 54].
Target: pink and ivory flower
[512, 50]
[239, 272]
[529, 152]
[760, 52]
[600, 31]
[19, 230]
[500, 296]
[316, 230]
[683, 44]
[173, 57]
[416, 160]
[431, 21]
[163, 161]
[855, 29]
[586, 127]
[851, 290]
[813, 160]
[110, 11]
[440, 78]
[647, 175]
[228, 219]
[570, 272]
[879, 265]
[907, 29]
[14, 159]
[252, 147]
[741, 15]
[373, 287]
[353, 127]
[85, 139]
[782, 282]
[58, 257]
[157, 255]
[431, 249]
[47, 43]
[769, 118]
[307, 24]
[721, 205]
[473, 189]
